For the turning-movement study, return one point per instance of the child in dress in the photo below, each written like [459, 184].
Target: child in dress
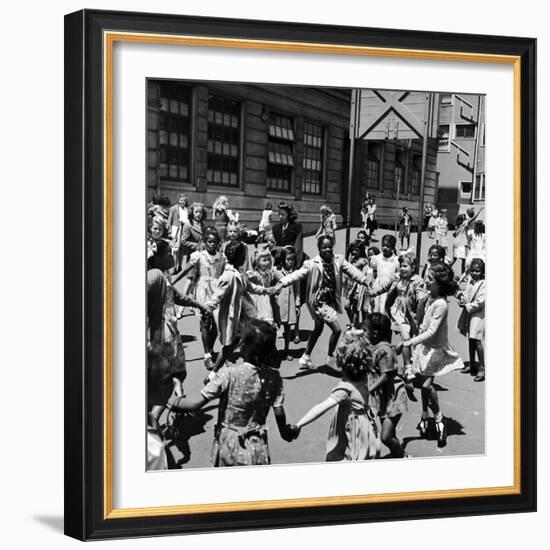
[385, 382]
[235, 233]
[208, 265]
[222, 215]
[356, 256]
[352, 434]
[472, 319]
[432, 355]
[288, 299]
[403, 301]
[247, 391]
[476, 243]
[386, 266]
[323, 275]
[460, 242]
[231, 297]
[441, 229]
[265, 275]
[328, 223]
[365, 302]
[264, 227]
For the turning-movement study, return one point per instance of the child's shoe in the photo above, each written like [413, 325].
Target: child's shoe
[423, 427]
[441, 434]
[208, 362]
[331, 362]
[409, 388]
[305, 361]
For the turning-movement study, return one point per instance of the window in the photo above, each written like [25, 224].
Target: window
[446, 99]
[465, 189]
[465, 131]
[443, 137]
[370, 174]
[174, 131]
[483, 136]
[224, 136]
[399, 183]
[479, 189]
[280, 153]
[414, 175]
[312, 181]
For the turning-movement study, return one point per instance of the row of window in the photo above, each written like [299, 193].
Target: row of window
[171, 151]
[407, 170]
[458, 131]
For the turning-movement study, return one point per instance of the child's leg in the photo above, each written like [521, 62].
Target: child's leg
[297, 327]
[481, 356]
[472, 354]
[334, 337]
[314, 336]
[389, 438]
[349, 311]
[286, 335]
[433, 400]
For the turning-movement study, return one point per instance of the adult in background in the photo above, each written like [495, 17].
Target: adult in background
[427, 215]
[288, 232]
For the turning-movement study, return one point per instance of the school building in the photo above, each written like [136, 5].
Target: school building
[461, 153]
[253, 143]
[257, 143]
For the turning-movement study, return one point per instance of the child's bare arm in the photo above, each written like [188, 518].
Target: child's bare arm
[182, 404]
[317, 411]
[380, 382]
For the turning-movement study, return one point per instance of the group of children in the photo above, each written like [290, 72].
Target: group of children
[381, 292]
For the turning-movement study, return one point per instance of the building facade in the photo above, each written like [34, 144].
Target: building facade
[252, 143]
[461, 153]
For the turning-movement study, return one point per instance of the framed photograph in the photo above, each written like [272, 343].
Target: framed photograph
[305, 251]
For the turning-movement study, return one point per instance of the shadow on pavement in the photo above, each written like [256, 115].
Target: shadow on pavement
[454, 427]
[323, 369]
[185, 426]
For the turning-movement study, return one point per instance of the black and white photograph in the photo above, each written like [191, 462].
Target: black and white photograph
[315, 274]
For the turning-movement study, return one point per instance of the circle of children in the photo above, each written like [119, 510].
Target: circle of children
[243, 300]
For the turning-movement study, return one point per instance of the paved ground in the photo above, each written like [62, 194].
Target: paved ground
[462, 400]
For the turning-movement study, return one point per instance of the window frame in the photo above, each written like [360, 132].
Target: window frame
[448, 146]
[462, 194]
[463, 125]
[281, 141]
[482, 185]
[214, 92]
[324, 154]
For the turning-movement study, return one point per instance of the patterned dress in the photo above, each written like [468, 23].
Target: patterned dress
[208, 268]
[390, 399]
[433, 356]
[246, 394]
[287, 301]
[386, 272]
[266, 305]
[352, 433]
[404, 298]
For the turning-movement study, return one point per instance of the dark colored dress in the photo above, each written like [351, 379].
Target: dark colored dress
[390, 399]
[246, 394]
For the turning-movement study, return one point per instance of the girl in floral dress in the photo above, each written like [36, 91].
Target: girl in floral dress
[432, 355]
[365, 302]
[247, 391]
[353, 434]
[386, 386]
[208, 265]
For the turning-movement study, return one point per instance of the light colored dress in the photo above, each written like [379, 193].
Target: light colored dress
[460, 241]
[208, 268]
[441, 230]
[387, 270]
[476, 247]
[352, 434]
[288, 300]
[246, 394]
[472, 319]
[328, 227]
[433, 356]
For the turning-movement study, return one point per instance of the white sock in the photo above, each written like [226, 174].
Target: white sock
[439, 417]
